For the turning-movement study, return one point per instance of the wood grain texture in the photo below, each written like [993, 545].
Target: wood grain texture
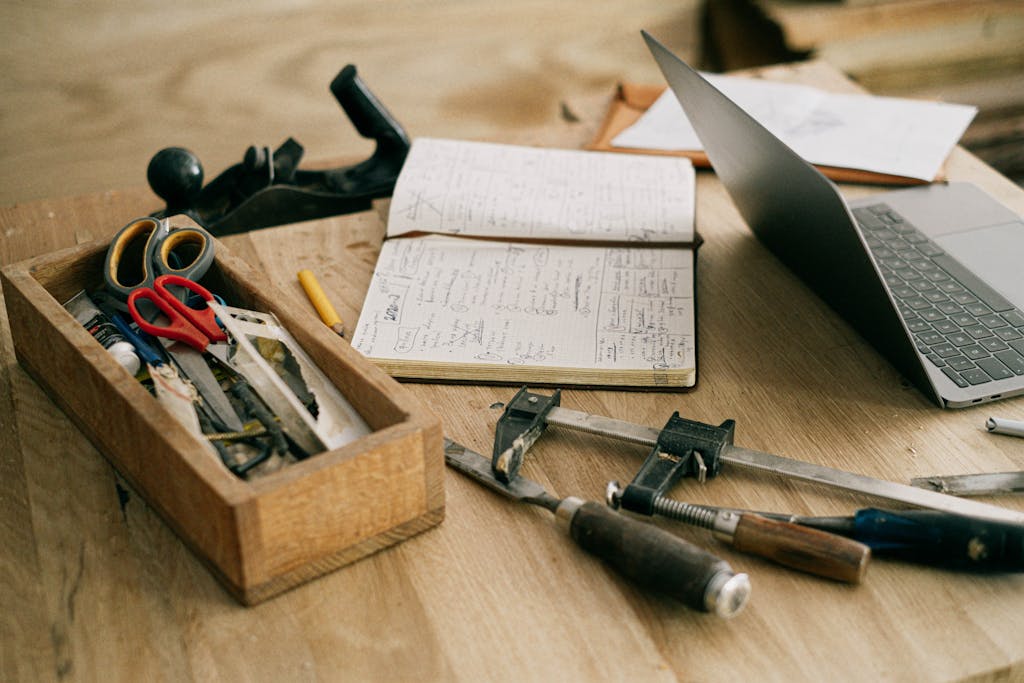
[92, 90]
[92, 577]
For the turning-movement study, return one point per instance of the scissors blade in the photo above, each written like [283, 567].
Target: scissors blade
[198, 372]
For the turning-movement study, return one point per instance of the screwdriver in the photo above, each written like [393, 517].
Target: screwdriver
[642, 552]
[806, 549]
[927, 537]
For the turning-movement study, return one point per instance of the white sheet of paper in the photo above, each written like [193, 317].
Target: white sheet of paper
[903, 137]
[457, 300]
[484, 189]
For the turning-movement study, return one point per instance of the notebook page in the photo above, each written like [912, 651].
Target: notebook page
[484, 189]
[451, 300]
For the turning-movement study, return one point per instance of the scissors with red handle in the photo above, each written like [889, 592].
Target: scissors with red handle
[196, 327]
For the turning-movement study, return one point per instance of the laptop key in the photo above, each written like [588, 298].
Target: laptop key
[931, 315]
[1012, 360]
[950, 308]
[936, 361]
[1008, 334]
[868, 219]
[963, 298]
[974, 352]
[944, 350]
[994, 368]
[1017, 345]
[960, 339]
[976, 376]
[973, 283]
[918, 325]
[957, 379]
[945, 326]
[994, 344]
[978, 331]
[992, 321]
[1014, 318]
[963, 319]
[959, 363]
[978, 309]
[932, 338]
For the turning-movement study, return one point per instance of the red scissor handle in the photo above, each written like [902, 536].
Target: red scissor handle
[177, 328]
[203, 318]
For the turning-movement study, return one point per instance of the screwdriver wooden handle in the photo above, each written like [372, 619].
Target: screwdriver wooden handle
[655, 558]
[803, 548]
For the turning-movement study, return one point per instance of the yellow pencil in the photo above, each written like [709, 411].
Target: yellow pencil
[320, 303]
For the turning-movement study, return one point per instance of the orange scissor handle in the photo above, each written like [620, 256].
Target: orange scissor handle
[203, 318]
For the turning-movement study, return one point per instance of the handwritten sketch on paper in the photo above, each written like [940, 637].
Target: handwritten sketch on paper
[909, 138]
[492, 190]
[456, 300]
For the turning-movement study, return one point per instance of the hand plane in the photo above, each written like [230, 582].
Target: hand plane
[267, 188]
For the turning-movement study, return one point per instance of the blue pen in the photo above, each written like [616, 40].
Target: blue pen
[146, 352]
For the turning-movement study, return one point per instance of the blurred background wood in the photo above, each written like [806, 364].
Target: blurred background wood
[965, 51]
[89, 91]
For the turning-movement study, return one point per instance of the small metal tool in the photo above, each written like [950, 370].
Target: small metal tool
[267, 188]
[979, 484]
[642, 552]
[685, 447]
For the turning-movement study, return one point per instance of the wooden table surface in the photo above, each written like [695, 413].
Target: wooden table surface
[96, 586]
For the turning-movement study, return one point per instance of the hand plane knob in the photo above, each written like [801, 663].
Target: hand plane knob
[176, 176]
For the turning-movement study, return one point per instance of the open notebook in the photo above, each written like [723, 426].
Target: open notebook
[507, 264]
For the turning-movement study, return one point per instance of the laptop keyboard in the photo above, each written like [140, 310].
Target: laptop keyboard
[964, 327]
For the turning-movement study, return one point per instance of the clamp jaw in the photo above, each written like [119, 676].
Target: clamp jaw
[518, 428]
[684, 448]
[267, 188]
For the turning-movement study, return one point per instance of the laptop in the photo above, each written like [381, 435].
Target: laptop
[931, 276]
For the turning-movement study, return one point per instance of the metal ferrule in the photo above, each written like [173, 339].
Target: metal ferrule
[726, 593]
[566, 510]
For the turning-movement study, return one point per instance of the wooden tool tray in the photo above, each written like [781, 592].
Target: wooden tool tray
[263, 536]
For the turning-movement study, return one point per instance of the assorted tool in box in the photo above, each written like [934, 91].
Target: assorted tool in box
[234, 376]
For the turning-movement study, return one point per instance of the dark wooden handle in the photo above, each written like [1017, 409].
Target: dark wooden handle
[803, 548]
[647, 554]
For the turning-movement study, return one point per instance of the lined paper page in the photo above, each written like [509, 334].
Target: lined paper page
[453, 300]
[483, 189]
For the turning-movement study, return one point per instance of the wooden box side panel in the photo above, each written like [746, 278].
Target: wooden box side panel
[360, 500]
[165, 463]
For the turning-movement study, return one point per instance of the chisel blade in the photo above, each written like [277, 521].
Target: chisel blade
[477, 467]
[981, 484]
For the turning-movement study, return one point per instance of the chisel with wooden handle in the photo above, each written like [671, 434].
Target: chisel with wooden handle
[646, 554]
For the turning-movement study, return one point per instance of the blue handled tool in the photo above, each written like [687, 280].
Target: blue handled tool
[927, 536]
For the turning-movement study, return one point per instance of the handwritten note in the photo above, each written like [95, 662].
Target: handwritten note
[909, 138]
[483, 189]
[468, 301]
